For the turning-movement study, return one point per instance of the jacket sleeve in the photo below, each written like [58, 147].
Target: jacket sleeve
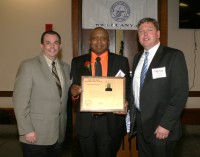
[21, 99]
[178, 92]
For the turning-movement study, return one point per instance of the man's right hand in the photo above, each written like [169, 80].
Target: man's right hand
[31, 137]
[75, 90]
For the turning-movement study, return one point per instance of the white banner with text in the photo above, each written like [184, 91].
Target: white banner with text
[116, 14]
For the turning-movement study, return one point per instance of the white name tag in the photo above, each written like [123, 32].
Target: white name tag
[158, 73]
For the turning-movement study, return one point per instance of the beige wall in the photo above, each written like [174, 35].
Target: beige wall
[183, 39]
[23, 21]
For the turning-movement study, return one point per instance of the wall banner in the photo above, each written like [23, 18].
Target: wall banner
[116, 14]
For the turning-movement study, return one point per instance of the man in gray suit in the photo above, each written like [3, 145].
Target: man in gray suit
[40, 100]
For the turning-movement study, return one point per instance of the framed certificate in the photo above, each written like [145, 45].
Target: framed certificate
[102, 94]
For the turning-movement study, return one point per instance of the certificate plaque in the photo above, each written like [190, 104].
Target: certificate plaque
[102, 94]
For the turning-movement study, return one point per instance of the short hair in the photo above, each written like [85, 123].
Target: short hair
[100, 28]
[148, 19]
[52, 33]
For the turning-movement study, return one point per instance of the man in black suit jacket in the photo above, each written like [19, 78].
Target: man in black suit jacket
[100, 134]
[158, 104]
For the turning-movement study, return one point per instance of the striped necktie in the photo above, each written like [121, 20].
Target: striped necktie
[55, 75]
[144, 70]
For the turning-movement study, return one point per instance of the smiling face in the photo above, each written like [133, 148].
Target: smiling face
[148, 35]
[51, 46]
[99, 40]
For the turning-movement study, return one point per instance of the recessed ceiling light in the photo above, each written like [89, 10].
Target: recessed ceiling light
[183, 5]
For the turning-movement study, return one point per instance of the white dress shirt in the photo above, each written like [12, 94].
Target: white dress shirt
[136, 76]
[58, 69]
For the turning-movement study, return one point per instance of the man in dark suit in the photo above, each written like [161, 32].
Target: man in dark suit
[100, 134]
[40, 103]
[157, 102]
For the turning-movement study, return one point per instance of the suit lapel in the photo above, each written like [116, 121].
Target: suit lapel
[64, 78]
[155, 62]
[47, 72]
[110, 64]
[87, 71]
[45, 68]
[135, 62]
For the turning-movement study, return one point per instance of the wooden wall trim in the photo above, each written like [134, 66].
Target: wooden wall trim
[76, 26]
[6, 93]
[10, 93]
[163, 20]
[190, 116]
[194, 94]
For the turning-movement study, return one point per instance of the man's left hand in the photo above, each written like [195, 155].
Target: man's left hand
[161, 133]
[124, 112]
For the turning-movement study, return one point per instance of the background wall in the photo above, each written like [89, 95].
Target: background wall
[183, 39]
[21, 26]
[23, 22]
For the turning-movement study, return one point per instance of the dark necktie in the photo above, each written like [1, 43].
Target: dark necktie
[55, 75]
[144, 70]
[98, 70]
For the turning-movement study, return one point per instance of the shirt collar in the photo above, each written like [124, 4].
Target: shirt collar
[153, 50]
[49, 61]
[102, 56]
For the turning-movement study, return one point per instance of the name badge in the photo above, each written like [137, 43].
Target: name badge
[158, 73]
